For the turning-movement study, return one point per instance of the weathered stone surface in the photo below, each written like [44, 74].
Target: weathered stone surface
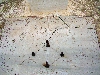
[75, 37]
[72, 47]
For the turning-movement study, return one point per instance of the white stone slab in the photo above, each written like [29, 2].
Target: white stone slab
[47, 5]
[75, 37]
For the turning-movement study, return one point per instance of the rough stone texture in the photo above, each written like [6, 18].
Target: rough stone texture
[98, 32]
[47, 8]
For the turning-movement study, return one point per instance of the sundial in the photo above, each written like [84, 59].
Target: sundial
[53, 45]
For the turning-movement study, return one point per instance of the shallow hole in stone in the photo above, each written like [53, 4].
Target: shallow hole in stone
[33, 54]
[62, 55]
[47, 43]
[46, 65]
